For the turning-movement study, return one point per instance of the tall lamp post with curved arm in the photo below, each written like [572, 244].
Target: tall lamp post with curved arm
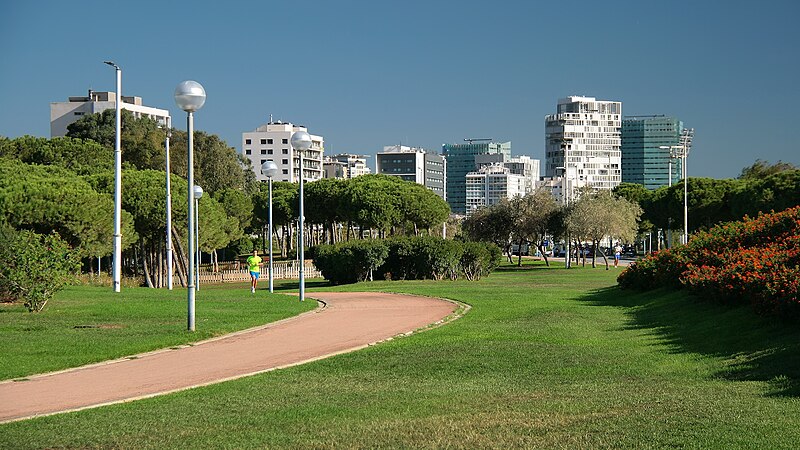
[301, 141]
[270, 170]
[116, 271]
[168, 127]
[190, 97]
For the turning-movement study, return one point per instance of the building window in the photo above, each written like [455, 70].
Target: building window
[79, 113]
[285, 141]
[269, 151]
[263, 161]
[269, 141]
[285, 161]
[285, 150]
[247, 151]
[263, 152]
[263, 141]
[285, 171]
[248, 141]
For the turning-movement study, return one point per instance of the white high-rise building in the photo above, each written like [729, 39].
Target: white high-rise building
[583, 142]
[63, 114]
[522, 165]
[492, 183]
[272, 142]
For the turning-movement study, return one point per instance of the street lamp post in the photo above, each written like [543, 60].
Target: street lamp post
[198, 192]
[270, 170]
[675, 151]
[117, 266]
[565, 190]
[169, 205]
[190, 97]
[685, 197]
[301, 141]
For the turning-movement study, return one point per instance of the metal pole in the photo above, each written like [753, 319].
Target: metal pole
[190, 193]
[669, 220]
[117, 271]
[269, 231]
[669, 183]
[301, 256]
[568, 262]
[197, 239]
[685, 197]
[169, 208]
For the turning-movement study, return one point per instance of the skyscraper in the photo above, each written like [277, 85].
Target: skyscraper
[461, 161]
[648, 144]
[583, 143]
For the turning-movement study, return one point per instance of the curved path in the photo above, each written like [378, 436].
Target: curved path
[348, 321]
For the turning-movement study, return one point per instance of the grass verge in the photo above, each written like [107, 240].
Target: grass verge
[85, 324]
[546, 358]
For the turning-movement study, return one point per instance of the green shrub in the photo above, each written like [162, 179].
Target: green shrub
[350, 261]
[402, 262]
[479, 259]
[405, 258]
[34, 266]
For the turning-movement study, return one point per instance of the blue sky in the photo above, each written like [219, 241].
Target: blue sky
[365, 74]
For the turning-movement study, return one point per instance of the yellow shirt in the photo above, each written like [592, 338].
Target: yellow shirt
[253, 263]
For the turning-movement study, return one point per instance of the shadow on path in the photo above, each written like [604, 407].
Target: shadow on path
[752, 347]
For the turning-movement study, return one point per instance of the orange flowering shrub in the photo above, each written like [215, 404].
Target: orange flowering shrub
[755, 260]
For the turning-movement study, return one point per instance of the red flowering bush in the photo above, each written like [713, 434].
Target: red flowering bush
[755, 260]
[662, 268]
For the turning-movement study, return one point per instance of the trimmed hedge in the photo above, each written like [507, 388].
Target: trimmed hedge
[412, 258]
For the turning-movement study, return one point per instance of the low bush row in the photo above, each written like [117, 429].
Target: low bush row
[412, 258]
[755, 260]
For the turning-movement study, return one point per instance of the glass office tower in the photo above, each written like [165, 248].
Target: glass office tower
[644, 161]
[461, 161]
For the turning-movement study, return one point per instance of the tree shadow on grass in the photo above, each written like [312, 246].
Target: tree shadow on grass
[753, 347]
[528, 265]
[310, 284]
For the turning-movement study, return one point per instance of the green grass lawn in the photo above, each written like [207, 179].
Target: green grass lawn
[546, 358]
[85, 324]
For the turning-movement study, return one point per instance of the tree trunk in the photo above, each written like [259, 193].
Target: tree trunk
[544, 254]
[147, 279]
[160, 256]
[605, 259]
[180, 259]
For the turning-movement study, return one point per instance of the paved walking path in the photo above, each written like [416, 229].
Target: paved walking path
[347, 322]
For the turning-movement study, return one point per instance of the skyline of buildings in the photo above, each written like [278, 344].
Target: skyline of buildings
[588, 142]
